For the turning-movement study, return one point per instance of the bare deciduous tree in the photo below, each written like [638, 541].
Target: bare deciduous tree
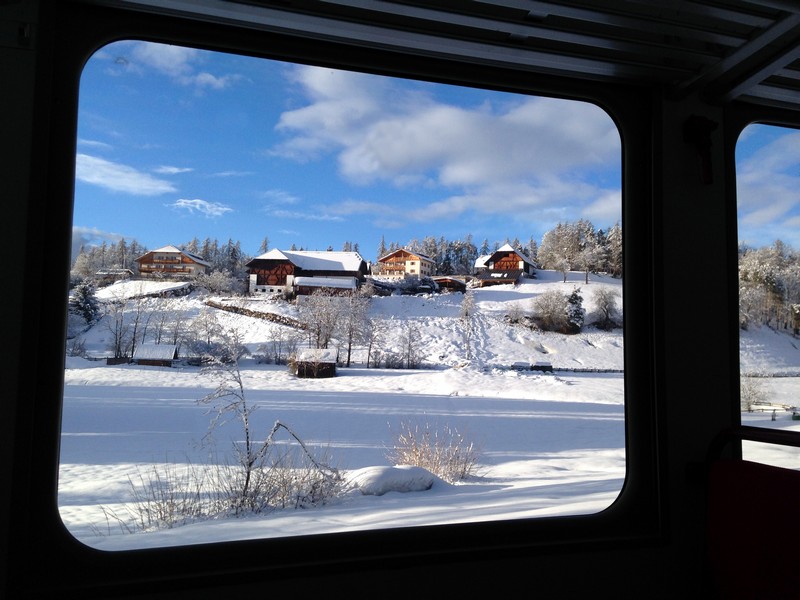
[550, 310]
[468, 320]
[605, 300]
[320, 312]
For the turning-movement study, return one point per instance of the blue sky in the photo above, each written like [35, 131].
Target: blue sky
[768, 185]
[176, 143]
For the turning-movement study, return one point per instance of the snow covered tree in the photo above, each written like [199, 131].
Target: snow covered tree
[373, 336]
[320, 312]
[614, 237]
[410, 344]
[605, 300]
[575, 311]
[381, 248]
[82, 267]
[220, 282]
[264, 246]
[352, 321]
[85, 302]
[118, 327]
[533, 251]
[193, 246]
[203, 332]
[468, 320]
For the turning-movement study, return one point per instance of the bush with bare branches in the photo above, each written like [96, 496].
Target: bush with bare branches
[445, 452]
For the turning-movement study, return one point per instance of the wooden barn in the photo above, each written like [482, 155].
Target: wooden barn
[155, 355]
[314, 363]
[277, 271]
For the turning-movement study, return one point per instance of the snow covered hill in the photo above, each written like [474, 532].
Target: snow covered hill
[494, 343]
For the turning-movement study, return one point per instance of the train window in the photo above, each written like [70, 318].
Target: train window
[247, 336]
[767, 161]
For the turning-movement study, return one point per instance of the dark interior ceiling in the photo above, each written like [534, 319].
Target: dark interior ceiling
[737, 49]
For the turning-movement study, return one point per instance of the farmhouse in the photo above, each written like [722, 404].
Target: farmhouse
[505, 265]
[302, 272]
[171, 262]
[155, 355]
[404, 264]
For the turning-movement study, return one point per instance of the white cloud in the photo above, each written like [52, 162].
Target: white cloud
[90, 236]
[304, 216]
[232, 174]
[204, 207]
[207, 80]
[359, 207]
[168, 170]
[280, 197]
[118, 178]
[386, 133]
[95, 144]
[768, 188]
[520, 152]
[606, 210]
[177, 62]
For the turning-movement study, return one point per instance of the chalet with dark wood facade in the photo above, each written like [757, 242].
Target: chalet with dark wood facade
[302, 272]
[505, 265]
[171, 262]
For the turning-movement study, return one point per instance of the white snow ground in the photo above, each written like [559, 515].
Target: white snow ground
[549, 444]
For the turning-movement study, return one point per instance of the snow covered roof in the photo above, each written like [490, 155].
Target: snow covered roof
[137, 288]
[318, 355]
[508, 248]
[317, 260]
[329, 282]
[170, 249]
[481, 260]
[155, 352]
[393, 252]
[167, 248]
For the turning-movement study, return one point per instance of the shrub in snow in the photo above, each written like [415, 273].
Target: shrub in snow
[444, 452]
[263, 477]
[550, 311]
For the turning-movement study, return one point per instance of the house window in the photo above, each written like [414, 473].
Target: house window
[768, 208]
[364, 136]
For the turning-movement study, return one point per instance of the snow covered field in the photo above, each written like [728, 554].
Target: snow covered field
[549, 443]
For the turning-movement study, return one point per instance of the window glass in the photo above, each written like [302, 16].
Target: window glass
[768, 180]
[251, 356]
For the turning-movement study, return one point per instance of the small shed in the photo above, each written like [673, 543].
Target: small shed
[155, 355]
[451, 283]
[314, 363]
[542, 366]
